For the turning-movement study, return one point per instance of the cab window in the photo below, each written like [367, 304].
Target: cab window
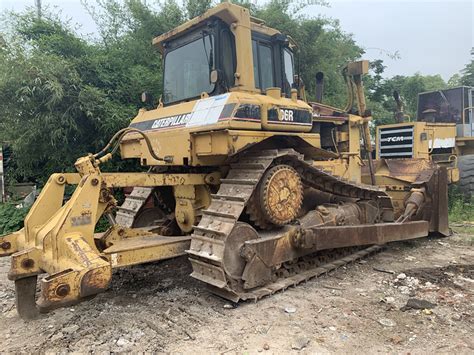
[228, 57]
[266, 66]
[263, 66]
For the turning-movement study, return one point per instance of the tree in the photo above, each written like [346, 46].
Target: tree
[71, 94]
[196, 7]
[454, 80]
[467, 77]
[380, 92]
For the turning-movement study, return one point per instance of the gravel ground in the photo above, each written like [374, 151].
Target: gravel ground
[358, 308]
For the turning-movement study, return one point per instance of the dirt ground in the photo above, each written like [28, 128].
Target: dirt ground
[159, 308]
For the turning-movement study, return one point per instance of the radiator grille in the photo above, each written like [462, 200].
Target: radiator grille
[396, 142]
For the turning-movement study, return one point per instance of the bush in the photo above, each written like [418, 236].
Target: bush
[460, 209]
[11, 217]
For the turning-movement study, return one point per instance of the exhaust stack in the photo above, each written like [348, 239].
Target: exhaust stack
[319, 86]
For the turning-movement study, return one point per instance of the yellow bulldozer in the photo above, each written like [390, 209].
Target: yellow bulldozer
[261, 188]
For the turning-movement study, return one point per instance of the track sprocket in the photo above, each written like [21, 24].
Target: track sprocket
[278, 197]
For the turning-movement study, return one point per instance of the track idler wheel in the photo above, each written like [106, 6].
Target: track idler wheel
[234, 263]
[25, 291]
[278, 197]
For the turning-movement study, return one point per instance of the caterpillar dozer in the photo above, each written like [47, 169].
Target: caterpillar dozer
[259, 187]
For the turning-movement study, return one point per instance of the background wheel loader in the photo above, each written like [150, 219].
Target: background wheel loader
[259, 187]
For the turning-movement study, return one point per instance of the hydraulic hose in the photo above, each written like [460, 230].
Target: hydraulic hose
[114, 143]
[350, 93]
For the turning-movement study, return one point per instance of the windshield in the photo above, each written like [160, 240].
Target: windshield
[187, 69]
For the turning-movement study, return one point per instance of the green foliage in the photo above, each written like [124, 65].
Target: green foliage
[380, 93]
[102, 225]
[50, 112]
[467, 77]
[11, 218]
[62, 96]
[196, 7]
[455, 81]
[460, 209]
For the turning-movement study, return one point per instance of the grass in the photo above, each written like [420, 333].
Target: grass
[463, 235]
[461, 216]
[460, 209]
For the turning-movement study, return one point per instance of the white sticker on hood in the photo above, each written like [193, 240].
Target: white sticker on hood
[207, 111]
[442, 143]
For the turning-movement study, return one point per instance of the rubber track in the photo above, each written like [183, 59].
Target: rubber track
[209, 236]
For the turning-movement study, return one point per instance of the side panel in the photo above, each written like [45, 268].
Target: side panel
[215, 147]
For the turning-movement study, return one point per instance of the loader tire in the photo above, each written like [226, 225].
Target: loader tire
[466, 175]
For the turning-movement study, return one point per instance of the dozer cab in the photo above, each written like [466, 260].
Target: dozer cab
[261, 188]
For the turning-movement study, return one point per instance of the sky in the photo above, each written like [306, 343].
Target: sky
[430, 37]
